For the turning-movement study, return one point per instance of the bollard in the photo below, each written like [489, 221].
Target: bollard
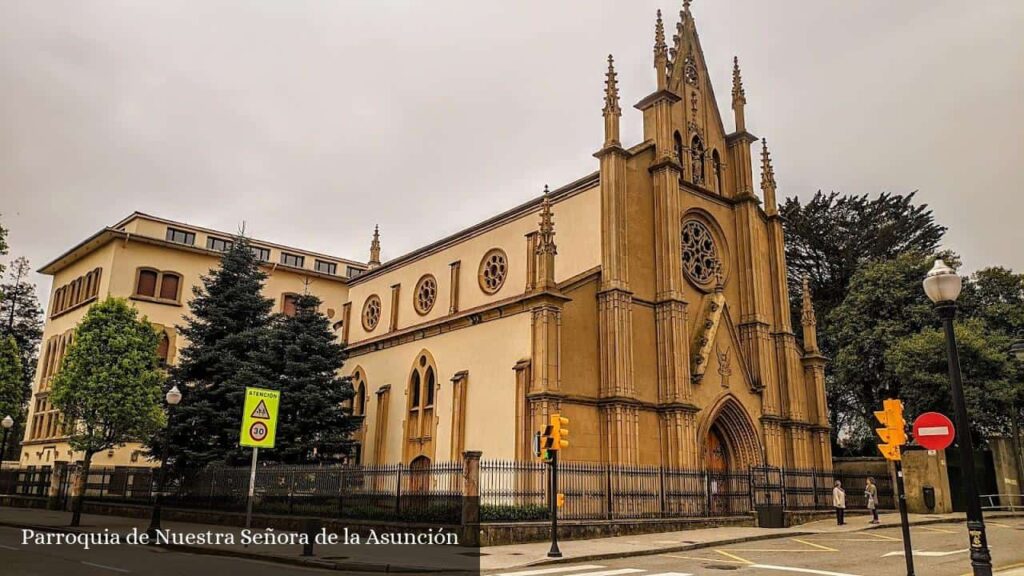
[310, 527]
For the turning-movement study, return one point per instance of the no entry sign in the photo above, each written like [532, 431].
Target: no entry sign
[934, 431]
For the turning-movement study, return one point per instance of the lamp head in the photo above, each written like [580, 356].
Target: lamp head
[1017, 349]
[942, 284]
[173, 396]
[7, 422]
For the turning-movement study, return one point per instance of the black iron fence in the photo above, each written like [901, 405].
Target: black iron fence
[517, 491]
[509, 491]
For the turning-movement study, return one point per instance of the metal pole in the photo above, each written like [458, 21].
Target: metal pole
[252, 490]
[908, 549]
[981, 559]
[553, 504]
[3, 446]
[154, 520]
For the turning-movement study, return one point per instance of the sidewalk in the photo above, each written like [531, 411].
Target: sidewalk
[382, 558]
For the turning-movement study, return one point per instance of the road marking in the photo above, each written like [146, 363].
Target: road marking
[122, 570]
[734, 557]
[9, 547]
[610, 572]
[702, 559]
[825, 548]
[939, 530]
[782, 550]
[800, 570]
[1000, 525]
[926, 553]
[673, 574]
[883, 537]
[543, 571]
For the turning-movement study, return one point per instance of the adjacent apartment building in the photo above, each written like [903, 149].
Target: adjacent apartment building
[154, 263]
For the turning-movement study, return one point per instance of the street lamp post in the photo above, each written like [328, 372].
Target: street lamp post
[1017, 350]
[173, 397]
[942, 285]
[7, 423]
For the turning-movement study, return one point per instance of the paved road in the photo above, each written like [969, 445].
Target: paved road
[17, 559]
[940, 550]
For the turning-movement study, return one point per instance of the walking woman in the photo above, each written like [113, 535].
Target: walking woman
[839, 501]
[871, 493]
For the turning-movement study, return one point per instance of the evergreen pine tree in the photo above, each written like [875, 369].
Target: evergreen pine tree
[21, 317]
[226, 332]
[305, 359]
[10, 386]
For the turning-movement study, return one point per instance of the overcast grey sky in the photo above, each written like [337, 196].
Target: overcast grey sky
[313, 120]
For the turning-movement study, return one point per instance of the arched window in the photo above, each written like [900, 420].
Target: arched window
[359, 408]
[420, 422]
[163, 348]
[289, 304]
[697, 160]
[716, 162]
[158, 286]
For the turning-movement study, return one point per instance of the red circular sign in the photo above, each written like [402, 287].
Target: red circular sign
[934, 431]
[258, 431]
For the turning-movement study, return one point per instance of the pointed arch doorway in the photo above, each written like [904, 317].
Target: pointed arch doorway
[730, 445]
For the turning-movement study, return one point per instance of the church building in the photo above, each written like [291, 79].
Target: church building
[646, 302]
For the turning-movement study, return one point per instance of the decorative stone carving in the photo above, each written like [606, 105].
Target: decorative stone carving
[371, 313]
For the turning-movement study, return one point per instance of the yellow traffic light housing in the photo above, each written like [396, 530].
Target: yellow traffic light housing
[558, 432]
[547, 443]
[893, 433]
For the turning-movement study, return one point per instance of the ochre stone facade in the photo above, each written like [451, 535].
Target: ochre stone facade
[647, 303]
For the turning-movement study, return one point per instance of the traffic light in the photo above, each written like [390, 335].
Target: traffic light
[546, 443]
[560, 501]
[893, 433]
[557, 432]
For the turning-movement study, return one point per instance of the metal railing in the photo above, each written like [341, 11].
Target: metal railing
[1008, 502]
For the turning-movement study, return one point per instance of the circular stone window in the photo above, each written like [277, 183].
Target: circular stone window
[426, 294]
[493, 270]
[371, 313]
[701, 260]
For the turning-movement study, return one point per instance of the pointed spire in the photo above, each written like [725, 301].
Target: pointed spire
[768, 186]
[660, 53]
[375, 249]
[546, 249]
[739, 96]
[612, 111]
[808, 320]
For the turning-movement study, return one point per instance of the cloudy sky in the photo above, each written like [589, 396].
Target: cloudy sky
[312, 120]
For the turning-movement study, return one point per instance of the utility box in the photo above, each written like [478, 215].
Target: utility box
[770, 516]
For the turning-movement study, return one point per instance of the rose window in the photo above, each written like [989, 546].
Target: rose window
[493, 269]
[371, 313]
[426, 294]
[701, 261]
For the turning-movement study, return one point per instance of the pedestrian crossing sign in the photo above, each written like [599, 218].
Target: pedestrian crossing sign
[259, 418]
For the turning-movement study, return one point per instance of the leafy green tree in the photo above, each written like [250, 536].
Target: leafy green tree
[109, 384]
[305, 359]
[22, 318]
[831, 237]
[227, 332]
[885, 304]
[995, 295]
[11, 403]
[992, 385]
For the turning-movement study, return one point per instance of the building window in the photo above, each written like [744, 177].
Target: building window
[420, 422]
[326, 267]
[169, 285]
[163, 348]
[493, 269]
[181, 236]
[292, 260]
[677, 147]
[701, 260]
[79, 291]
[426, 294]
[261, 254]
[371, 313]
[352, 271]
[289, 304]
[218, 244]
[159, 286]
[146, 284]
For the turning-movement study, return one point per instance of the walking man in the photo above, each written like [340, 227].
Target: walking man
[871, 493]
[839, 501]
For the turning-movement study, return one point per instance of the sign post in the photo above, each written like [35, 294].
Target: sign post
[259, 428]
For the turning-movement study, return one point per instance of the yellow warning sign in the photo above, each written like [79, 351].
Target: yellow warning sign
[259, 418]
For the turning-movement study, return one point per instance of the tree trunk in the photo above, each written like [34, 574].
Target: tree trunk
[82, 482]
